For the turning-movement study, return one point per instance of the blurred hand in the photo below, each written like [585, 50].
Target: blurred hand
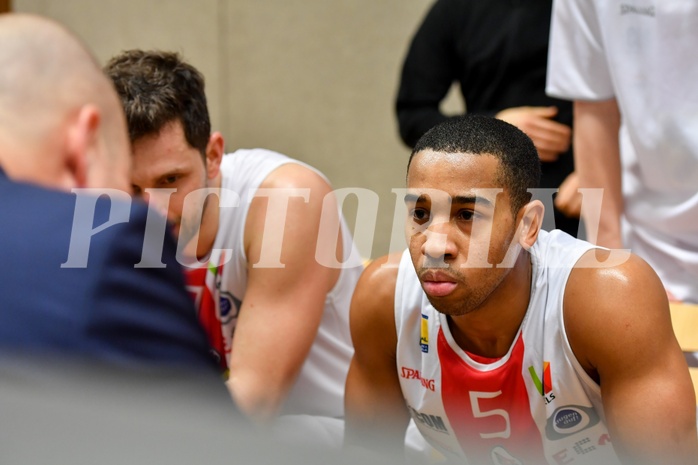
[568, 200]
[550, 137]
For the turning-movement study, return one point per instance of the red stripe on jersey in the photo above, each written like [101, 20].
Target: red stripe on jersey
[206, 311]
[489, 410]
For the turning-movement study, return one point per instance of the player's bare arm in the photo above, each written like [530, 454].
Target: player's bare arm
[376, 415]
[283, 306]
[597, 162]
[619, 327]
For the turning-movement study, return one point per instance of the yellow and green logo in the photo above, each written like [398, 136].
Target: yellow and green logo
[424, 335]
[544, 386]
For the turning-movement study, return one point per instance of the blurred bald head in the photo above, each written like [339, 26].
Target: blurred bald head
[61, 124]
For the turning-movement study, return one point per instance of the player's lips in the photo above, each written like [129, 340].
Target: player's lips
[438, 283]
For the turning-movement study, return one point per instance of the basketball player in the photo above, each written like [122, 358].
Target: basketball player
[258, 264]
[505, 343]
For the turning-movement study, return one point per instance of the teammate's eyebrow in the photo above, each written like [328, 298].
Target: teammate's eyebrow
[414, 198]
[460, 199]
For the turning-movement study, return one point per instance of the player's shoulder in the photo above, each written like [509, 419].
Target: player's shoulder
[376, 287]
[372, 315]
[296, 175]
[609, 273]
[382, 273]
[607, 293]
[619, 307]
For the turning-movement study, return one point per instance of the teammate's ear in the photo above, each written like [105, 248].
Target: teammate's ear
[214, 154]
[530, 219]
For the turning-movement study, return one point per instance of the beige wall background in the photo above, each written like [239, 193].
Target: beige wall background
[314, 79]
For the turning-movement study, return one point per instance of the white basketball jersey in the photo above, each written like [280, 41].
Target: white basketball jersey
[534, 405]
[319, 388]
[640, 52]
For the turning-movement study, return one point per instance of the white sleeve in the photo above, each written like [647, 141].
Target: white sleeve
[577, 66]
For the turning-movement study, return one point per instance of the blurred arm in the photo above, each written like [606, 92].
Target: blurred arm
[597, 163]
[376, 414]
[283, 307]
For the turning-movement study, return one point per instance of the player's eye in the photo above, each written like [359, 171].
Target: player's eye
[170, 179]
[465, 215]
[420, 215]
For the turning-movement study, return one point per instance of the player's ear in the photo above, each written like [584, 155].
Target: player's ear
[530, 220]
[214, 154]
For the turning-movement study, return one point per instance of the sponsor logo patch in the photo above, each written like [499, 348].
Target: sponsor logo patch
[229, 305]
[544, 386]
[424, 334]
[638, 10]
[569, 420]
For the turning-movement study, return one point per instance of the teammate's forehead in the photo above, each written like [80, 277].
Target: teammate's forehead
[463, 177]
[434, 164]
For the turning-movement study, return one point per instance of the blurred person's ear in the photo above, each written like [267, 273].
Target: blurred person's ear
[82, 144]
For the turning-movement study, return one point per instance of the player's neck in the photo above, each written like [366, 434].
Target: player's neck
[209, 222]
[490, 330]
